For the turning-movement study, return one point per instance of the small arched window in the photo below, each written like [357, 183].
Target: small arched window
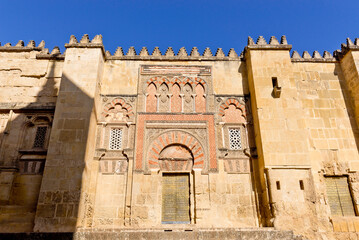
[36, 133]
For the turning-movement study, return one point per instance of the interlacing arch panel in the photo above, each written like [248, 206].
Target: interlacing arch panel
[233, 111]
[118, 110]
[184, 141]
[180, 80]
[185, 94]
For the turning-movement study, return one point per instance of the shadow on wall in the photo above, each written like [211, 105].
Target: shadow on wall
[263, 211]
[348, 103]
[43, 152]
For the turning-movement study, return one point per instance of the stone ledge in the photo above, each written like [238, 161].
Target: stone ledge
[19, 49]
[176, 113]
[314, 60]
[159, 234]
[27, 106]
[270, 47]
[50, 56]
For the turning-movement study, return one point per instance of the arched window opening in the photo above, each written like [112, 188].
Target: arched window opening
[36, 134]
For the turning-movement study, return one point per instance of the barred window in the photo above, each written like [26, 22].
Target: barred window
[235, 139]
[116, 138]
[40, 137]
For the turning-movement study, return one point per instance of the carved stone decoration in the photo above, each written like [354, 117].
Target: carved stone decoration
[163, 98]
[176, 100]
[113, 167]
[232, 111]
[4, 117]
[237, 165]
[187, 98]
[175, 158]
[118, 110]
[175, 94]
[36, 133]
[31, 167]
[161, 155]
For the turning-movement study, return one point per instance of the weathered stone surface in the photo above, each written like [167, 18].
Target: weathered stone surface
[88, 137]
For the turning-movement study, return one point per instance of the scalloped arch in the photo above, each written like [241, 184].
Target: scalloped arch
[112, 104]
[175, 137]
[236, 103]
[158, 81]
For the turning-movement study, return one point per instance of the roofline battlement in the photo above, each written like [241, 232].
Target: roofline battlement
[315, 57]
[182, 54]
[172, 56]
[20, 47]
[273, 44]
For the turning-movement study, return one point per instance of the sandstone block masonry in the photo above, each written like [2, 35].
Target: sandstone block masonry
[93, 143]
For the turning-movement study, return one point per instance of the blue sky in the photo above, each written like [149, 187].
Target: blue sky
[308, 25]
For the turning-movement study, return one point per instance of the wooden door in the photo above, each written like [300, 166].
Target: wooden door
[175, 198]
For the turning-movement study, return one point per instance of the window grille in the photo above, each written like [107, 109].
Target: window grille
[40, 137]
[235, 139]
[115, 139]
[339, 197]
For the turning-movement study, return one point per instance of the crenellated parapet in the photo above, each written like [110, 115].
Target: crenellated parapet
[273, 44]
[20, 47]
[315, 57]
[85, 42]
[42, 52]
[170, 55]
[144, 54]
[54, 54]
[346, 47]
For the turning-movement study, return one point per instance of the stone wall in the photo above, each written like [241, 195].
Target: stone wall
[28, 91]
[87, 137]
[304, 135]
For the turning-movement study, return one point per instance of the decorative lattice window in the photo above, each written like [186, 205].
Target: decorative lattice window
[339, 197]
[235, 139]
[116, 138]
[40, 137]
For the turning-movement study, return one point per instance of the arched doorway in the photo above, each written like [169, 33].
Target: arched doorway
[176, 163]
